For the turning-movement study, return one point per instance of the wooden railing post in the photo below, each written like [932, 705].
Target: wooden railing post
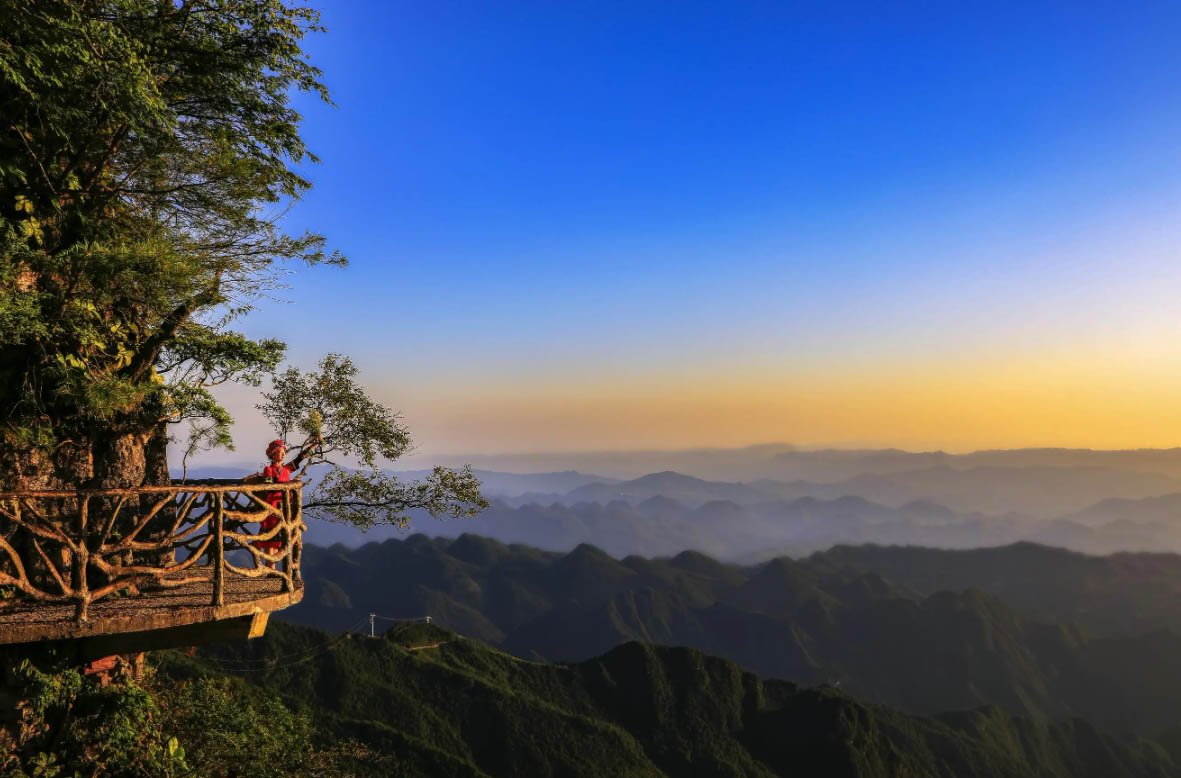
[217, 555]
[297, 541]
[81, 562]
[284, 538]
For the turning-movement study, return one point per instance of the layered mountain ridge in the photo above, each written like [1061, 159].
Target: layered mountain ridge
[424, 701]
[848, 617]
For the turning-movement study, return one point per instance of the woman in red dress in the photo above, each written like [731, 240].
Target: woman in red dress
[275, 473]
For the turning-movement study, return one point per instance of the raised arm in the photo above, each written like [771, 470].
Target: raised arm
[304, 452]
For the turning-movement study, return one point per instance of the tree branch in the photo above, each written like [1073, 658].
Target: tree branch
[145, 356]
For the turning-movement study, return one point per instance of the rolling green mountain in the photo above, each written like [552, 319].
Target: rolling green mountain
[814, 621]
[425, 701]
[1120, 594]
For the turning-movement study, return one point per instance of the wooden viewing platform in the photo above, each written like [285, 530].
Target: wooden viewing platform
[137, 569]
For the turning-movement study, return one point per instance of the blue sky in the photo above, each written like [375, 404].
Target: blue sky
[594, 206]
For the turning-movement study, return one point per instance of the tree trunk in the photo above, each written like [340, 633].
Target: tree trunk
[120, 460]
[156, 454]
[109, 459]
[156, 474]
[24, 470]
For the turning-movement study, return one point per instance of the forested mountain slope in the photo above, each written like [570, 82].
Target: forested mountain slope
[1123, 593]
[811, 621]
[424, 701]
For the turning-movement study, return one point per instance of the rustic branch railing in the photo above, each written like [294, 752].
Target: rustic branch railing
[81, 546]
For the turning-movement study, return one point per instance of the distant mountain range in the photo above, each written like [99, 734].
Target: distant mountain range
[1040, 492]
[660, 525]
[1084, 503]
[570, 565]
[784, 462]
[830, 618]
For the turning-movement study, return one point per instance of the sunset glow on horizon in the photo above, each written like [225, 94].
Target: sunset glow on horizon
[590, 228]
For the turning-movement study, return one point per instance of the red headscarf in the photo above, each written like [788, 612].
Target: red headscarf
[274, 445]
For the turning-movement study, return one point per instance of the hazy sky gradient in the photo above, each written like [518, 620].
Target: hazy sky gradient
[609, 226]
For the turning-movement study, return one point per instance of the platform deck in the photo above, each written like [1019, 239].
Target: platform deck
[23, 621]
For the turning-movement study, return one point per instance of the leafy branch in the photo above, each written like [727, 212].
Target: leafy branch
[340, 420]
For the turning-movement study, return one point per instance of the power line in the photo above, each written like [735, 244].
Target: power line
[373, 616]
[249, 664]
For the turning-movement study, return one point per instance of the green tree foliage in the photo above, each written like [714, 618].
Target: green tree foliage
[226, 728]
[74, 726]
[70, 725]
[340, 420]
[146, 151]
[424, 701]
[435, 703]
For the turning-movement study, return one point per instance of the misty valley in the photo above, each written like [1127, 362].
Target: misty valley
[1095, 502]
[944, 639]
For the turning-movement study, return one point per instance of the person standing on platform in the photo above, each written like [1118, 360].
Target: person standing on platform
[276, 473]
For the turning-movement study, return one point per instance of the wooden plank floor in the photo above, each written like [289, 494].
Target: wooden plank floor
[23, 621]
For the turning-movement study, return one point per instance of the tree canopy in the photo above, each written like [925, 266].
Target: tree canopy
[148, 149]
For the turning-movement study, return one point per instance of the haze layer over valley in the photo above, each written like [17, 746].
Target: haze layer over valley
[754, 503]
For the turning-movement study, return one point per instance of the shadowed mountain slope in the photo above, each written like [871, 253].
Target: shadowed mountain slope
[428, 702]
[884, 637]
[1125, 593]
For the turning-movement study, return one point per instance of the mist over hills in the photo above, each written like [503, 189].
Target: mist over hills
[661, 525]
[785, 462]
[751, 531]
[827, 463]
[1040, 492]
[830, 618]
[1093, 501]
[1162, 511]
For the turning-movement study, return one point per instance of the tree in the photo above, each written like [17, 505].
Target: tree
[141, 144]
[333, 412]
[147, 149]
